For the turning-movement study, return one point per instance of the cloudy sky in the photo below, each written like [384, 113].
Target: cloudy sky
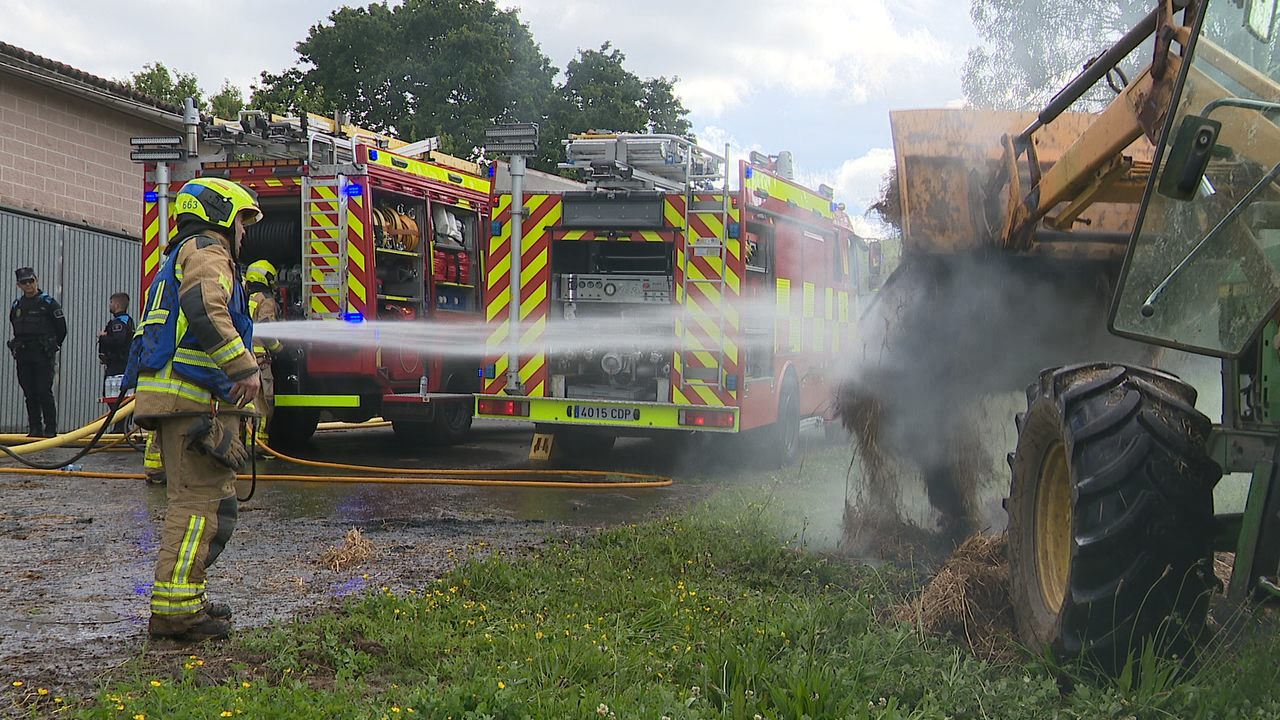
[816, 77]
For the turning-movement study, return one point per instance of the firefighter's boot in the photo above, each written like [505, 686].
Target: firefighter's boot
[189, 628]
[218, 611]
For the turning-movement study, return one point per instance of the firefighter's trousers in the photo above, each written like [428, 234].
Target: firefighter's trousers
[265, 401]
[200, 519]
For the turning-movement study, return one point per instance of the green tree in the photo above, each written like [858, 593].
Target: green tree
[292, 93]
[429, 68]
[228, 102]
[155, 80]
[598, 93]
[1030, 49]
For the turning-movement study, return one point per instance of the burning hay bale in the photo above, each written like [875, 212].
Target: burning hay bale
[968, 600]
[355, 549]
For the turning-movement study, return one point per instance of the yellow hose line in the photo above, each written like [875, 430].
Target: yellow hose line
[87, 431]
[663, 482]
[422, 476]
[429, 472]
[371, 423]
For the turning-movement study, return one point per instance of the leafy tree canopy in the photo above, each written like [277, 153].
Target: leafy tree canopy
[452, 69]
[155, 80]
[427, 68]
[159, 82]
[1030, 49]
[290, 93]
[228, 102]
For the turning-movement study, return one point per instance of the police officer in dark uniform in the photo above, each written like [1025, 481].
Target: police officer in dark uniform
[114, 340]
[113, 349]
[39, 329]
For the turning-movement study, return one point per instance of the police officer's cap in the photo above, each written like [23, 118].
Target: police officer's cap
[24, 273]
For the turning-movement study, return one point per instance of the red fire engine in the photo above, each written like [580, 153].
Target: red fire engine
[358, 229]
[661, 301]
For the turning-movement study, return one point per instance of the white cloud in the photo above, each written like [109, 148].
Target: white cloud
[850, 52]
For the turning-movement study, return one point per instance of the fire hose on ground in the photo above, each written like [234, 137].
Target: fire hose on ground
[584, 479]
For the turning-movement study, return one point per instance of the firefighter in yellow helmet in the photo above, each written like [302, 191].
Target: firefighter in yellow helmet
[194, 374]
[260, 278]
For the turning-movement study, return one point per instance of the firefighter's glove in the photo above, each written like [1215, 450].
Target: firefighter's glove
[206, 435]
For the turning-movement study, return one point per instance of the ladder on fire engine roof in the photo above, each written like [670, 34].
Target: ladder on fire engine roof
[701, 317]
[324, 247]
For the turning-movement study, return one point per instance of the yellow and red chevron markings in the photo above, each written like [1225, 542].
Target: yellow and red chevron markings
[321, 237]
[708, 323]
[544, 212]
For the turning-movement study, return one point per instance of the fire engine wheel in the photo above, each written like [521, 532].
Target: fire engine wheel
[1110, 514]
[452, 424]
[293, 426]
[783, 445]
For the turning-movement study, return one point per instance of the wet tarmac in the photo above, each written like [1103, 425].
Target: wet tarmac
[79, 553]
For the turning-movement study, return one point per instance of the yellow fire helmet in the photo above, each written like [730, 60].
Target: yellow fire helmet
[261, 271]
[218, 201]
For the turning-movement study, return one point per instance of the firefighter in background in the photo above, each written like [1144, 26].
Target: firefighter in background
[39, 328]
[260, 278]
[194, 371]
[113, 348]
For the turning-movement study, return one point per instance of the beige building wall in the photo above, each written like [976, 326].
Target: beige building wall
[67, 158]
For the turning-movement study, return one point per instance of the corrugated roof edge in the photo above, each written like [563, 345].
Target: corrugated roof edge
[85, 78]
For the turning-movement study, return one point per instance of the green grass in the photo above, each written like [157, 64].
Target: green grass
[704, 616]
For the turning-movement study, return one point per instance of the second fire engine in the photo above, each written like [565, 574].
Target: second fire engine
[660, 300]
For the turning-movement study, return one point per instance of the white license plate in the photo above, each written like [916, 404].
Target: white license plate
[604, 412]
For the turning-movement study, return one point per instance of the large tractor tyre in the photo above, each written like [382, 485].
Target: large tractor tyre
[293, 426]
[1111, 515]
[783, 441]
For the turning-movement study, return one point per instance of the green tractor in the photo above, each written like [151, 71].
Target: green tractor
[1112, 531]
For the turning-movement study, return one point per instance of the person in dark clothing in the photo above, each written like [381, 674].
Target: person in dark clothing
[39, 329]
[113, 349]
[114, 341]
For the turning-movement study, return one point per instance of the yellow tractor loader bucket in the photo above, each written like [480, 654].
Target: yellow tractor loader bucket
[954, 169]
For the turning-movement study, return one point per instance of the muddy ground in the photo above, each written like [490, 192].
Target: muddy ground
[79, 553]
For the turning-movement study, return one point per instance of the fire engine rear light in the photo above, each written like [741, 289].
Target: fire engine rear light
[151, 196]
[353, 317]
[510, 408]
[706, 418]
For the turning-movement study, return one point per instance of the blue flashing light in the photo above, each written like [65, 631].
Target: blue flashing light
[373, 154]
[835, 207]
[354, 190]
[749, 172]
[493, 170]
[353, 317]
[735, 228]
[490, 371]
[731, 383]
[495, 227]
[151, 196]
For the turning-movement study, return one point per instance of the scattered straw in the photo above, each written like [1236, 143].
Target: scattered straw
[968, 600]
[355, 549]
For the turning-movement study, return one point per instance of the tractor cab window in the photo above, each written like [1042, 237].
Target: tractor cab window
[1204, 271]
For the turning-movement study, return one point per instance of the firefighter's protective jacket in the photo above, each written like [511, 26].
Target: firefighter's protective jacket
[263, 309]
[193, 339]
